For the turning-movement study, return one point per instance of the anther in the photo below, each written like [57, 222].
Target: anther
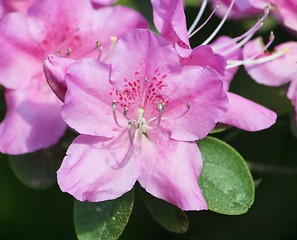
[130, 132]
[161, 106]
[68, 52]
[125, 111]
[146, 79]
[188, 105]
[100, 48]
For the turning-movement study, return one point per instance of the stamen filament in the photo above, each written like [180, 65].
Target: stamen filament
[113, 41]
[114, 108]
[218, 28]
[140, 121]
[205, 22]
[256, 61]
[251, 31]
[198, 17]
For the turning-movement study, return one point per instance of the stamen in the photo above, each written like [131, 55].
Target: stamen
[114, 108]
[218, 28]
[258, 60]
[161, 107]
[198, 17]
[206, 21]
[248, 34]
[100, 48]
[113, 40]
[130, 133]
[140, 121]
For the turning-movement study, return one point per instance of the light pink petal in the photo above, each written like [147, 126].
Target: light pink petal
[170, 171]
[287, 10]
[17, 44]
[101, 3]
[247, 115]
[230, 52]
[55, 69]
[33, 120]
[139, 54]
[95, 168]
[275, 72]
[202, 88]
[88, 104]
[205, 57]
[170, 21]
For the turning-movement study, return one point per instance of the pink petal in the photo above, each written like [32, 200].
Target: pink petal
[95, 168]
[275, 72]
[287, 10]
[170, 21]
[17, 45]
[101, 3]
[140, 54]
[16, 5]
[247, 115]
[229, 54]
[33, 120]
[170, 171]
[203, 90]
[205, 57]
[88, 105]
[55, 69]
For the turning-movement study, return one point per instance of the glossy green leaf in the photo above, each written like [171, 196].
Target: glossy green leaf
[103, 220]
[225, 180]
[38, 170]
[167, 215]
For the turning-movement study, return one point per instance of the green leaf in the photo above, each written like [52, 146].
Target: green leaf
[103, 220]
[225, 180]
[167, 215]
[37, 170]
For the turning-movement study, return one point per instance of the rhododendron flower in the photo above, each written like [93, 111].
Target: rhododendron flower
[281, 69]
[33, 120]
[170, 21]
[139, 118]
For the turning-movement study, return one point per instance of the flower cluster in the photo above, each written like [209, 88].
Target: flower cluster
[138, 100]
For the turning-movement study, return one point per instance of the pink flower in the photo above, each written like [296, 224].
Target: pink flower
[33, 119]
[170, 21]
[279, 70]
[139, 118]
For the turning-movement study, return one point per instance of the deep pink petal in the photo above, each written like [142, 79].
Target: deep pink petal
[247, 115]
[101, 3]
[205, 57]
[88, 104]
[33, 120]
[275, 72]
[170, 21]
[170, 171]
[139, 54]
[203, 89]
[55, 69]
[95, 168]
[15, 5]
